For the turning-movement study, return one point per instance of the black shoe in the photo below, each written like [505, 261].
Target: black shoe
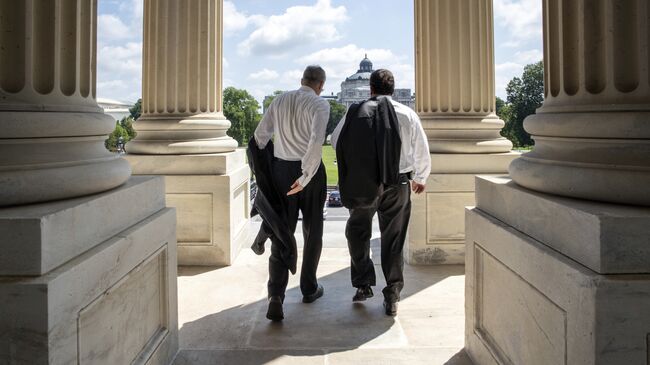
[312, 297]
[391, 308]
[362, 294]
[275, 312]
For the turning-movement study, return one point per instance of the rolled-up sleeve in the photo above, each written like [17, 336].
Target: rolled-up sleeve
[421, 154]
[312, 159]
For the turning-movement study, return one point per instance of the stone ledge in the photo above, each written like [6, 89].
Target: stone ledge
[606, 238]
[207, 164]
[35, 243]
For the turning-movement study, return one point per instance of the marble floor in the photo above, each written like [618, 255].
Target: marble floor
[222, 315]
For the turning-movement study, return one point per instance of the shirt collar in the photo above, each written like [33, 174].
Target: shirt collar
[307, 89]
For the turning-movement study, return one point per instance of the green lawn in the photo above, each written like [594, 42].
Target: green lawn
[329, 156]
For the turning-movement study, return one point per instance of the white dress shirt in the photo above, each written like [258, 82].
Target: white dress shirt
[414, 155]
[298, 120]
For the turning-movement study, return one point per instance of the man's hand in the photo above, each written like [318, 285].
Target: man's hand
[417, 188]
[295, 188]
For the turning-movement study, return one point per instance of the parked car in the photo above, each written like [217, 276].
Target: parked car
[334, 199]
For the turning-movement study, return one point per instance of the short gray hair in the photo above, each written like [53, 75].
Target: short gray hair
[313, 74]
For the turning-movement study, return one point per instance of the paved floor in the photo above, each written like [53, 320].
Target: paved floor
[222, 315]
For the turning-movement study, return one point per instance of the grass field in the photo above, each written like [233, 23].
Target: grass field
[329, 156]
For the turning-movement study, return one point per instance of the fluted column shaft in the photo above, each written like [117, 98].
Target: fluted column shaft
[182, 79]
[592, 134]
[51, 130]
[455, 76]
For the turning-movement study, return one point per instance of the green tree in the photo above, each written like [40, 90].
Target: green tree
[124, 129]
[525, 95]
[269, 99]
[242, 110]
[337, 111]
[136, 110]
[114, 138]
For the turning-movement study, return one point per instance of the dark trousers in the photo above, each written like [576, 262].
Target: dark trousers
[310, 202]
[394, 210]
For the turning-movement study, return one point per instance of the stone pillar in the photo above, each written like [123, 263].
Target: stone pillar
[90, 279]
[454, 76]
[592, 135]
[53, 132]
[182, 131]
[574, 274]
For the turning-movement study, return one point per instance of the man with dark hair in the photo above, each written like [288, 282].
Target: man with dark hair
[375, 168]
[298, 120]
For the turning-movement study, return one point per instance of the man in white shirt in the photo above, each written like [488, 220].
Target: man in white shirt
[298, 121]
[393, 205]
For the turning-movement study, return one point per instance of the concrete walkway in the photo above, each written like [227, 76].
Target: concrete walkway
[222, 315]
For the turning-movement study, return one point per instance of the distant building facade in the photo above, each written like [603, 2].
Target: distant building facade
[356, 88]
[114, 108]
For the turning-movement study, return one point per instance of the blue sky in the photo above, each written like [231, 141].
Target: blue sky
[267, 43]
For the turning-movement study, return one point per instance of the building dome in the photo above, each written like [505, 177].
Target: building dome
[365, 65]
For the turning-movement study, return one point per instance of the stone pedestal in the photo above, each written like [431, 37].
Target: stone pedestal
[437, 229]
[211, 194]
[456, 103]
[552, 280]
[90, 280]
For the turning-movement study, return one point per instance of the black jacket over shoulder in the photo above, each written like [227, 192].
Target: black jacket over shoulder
[368, 152]
[269, 203]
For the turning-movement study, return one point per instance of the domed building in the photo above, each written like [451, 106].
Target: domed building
[356, 87]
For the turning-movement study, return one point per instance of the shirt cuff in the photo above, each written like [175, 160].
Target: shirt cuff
[304, 180]
[420, 180]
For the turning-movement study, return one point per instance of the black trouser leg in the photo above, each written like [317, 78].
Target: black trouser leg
[312, 200]
[358, 231]
[394, 213]
[284, 175]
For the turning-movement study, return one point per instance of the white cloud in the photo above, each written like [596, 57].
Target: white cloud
[112, 28]
[522, 19]
[299, 25]
[264, 75]
[342, 62]
[504, 72]
[119, 71]
[235, 21]
[529, 56]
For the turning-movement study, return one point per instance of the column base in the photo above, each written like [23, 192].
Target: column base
[527, 303]
[437, 229]
[211, 194]
[113, 303]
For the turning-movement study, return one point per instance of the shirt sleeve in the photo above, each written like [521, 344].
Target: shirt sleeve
[312, 159]
[337, 131]
[264, 130]
[421, 153]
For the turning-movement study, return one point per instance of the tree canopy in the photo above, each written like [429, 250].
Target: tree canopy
[242, 110]
[525, 95]
[123, 130]
[136, 110]
[337, 111]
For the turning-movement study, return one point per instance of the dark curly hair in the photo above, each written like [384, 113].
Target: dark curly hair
[382, 82]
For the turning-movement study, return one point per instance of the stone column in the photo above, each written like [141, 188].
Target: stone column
[573, 273]
[52, 131]
[69, 267]
[454, 76]
[592, 135]
[182, 131]
[182, 109]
